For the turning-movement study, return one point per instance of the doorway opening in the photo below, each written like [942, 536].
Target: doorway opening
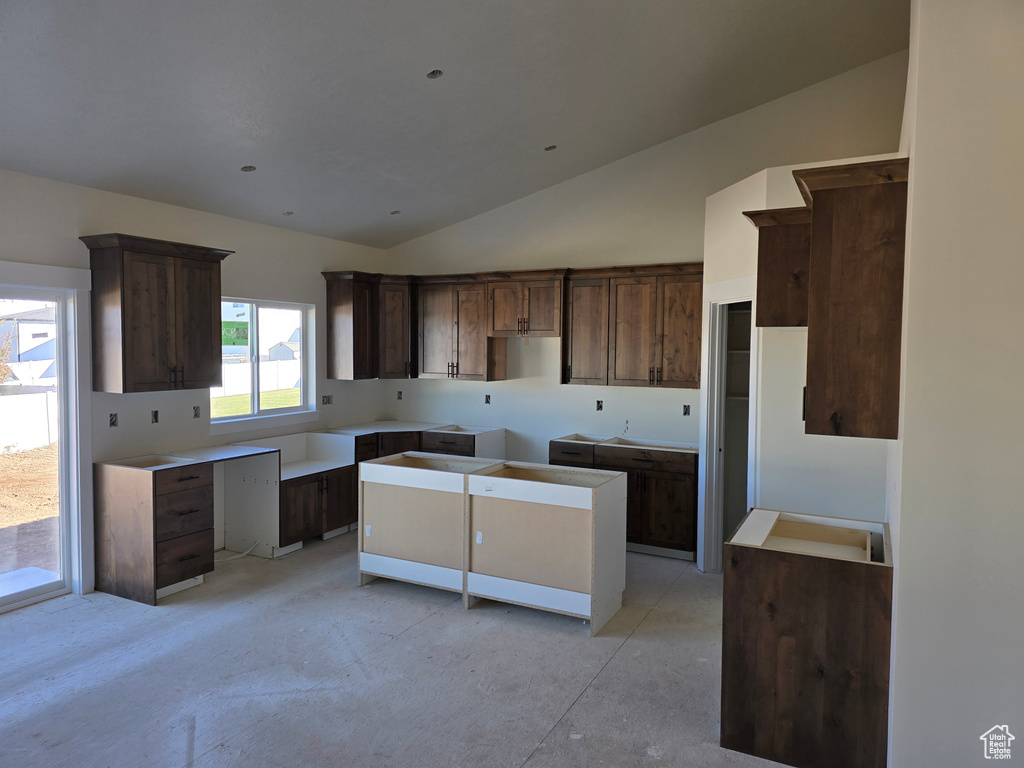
[736, 416]
[34, 514]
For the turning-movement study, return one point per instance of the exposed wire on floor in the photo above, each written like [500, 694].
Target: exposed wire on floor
[236, 557]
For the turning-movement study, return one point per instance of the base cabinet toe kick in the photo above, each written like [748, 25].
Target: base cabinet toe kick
[470, 526]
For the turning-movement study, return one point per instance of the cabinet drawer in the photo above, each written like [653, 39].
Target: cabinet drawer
[184, 512]
[182, 478]
[621, 457]
[444, 442]
[571, 454]
[184, 558]
[390, 443]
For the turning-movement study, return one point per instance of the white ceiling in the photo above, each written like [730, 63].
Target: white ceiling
[329, 99]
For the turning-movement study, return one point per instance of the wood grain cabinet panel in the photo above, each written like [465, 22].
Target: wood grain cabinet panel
[395, 329]
[783, 266]
[633, 316]
[677, 351]
[634, 326]
[155, 314]
[524, 308]
[585, 342]
[341, 505]
[855, 297]
[805, 657]
[453, 340]
[302, 509]
[369, 326]
[153, 528]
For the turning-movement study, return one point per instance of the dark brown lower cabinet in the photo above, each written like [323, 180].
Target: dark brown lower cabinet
[154, 528]
[668, 510]
[661, 489]
[805, 655]
[341, 505]
[302, 509]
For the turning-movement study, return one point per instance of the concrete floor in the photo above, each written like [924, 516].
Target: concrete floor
[288, 663]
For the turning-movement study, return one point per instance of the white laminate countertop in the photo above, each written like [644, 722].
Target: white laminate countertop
[386, 426]
[154, 462]
[628, 442]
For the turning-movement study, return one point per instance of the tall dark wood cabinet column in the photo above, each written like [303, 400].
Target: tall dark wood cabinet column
[395, 328]
[855, 297]
[155, 314]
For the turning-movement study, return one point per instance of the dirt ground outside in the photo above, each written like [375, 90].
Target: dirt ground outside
[29, 507]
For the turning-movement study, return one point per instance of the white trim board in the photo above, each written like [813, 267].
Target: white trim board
[710, 513]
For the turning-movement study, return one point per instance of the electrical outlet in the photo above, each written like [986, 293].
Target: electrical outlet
[399, 394]
[686, 410]
[113, 419]
[195, 411]
[326, 399]
[156, 417]
[487, 399]
[600, 405]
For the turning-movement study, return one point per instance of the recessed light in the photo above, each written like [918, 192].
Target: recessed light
[248, 168]
[434, 74]
[288, 213]
[395, 213]
[551, 147]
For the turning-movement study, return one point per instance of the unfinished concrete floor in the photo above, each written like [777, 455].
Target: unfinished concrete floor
[288, 663]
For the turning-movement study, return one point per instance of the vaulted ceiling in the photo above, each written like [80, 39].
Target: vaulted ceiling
[330, 99]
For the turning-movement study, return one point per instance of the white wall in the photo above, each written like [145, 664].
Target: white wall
[647, 208]
[42, 220]
[960, 597]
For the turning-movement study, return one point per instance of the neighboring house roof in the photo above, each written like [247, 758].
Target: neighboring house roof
[42, 315]
[45, 351]
[296, 336]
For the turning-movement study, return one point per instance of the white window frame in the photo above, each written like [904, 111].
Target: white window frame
[263, 419]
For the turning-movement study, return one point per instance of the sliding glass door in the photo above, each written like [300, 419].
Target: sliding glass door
[34, 547]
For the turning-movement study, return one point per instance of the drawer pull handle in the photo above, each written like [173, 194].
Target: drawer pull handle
[648, 461]
[446, 442]
[186, 479]
[187, 512]
[193, 556]
[572, 453]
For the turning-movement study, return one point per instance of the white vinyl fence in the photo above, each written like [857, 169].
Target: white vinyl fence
[28, 421]
[274, 375]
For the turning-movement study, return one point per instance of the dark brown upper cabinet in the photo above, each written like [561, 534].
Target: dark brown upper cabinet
[453, 340]
[585, 342]
[783, 264]
[525, 307]
[395, 325]
[634, 326]
[368, 326]
[855, 297]
[155, 314]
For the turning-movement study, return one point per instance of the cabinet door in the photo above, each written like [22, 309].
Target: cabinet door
[633, 313]
[150, 356]
[585, 348]
[669, 510]
[352, 347]
[505, 316]
[471, 332]
[679, 328]
[301, 510]
[340, 500]
[542, 308]
[437, 326]
[395, 361]
[197, 319]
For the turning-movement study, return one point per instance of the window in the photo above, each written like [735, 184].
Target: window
[263, 351]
